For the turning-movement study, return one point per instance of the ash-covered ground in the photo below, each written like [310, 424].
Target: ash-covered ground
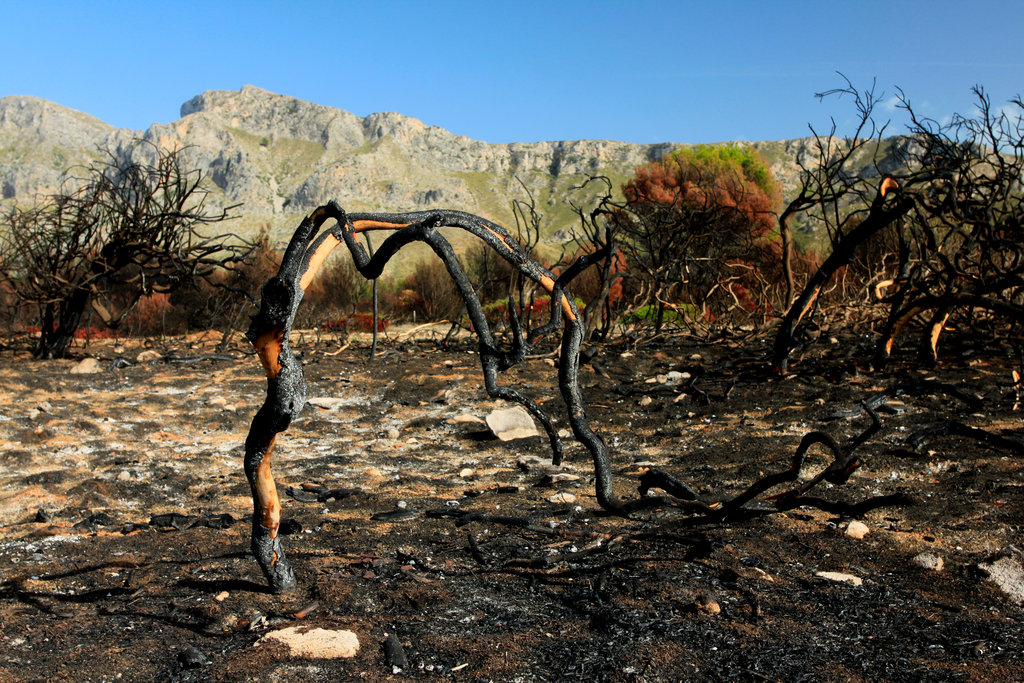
[124, 520]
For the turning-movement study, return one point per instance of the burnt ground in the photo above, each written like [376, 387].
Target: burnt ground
[124, 521]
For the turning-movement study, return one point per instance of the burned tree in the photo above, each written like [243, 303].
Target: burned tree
[286, 387]
[938, 235]
[123, 230]
[961, 259]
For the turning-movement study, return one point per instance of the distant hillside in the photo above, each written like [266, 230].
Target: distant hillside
[281, 157]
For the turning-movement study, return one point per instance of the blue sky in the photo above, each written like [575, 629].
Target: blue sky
[521, 71]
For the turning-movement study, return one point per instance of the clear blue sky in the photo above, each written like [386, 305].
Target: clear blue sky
[510, 71]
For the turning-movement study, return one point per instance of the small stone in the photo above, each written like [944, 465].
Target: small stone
[466, 472]
[645, 401]
[466, 418]
[191, 658]
[696, 356]
[532, 463]
[676, 377]
[512, 423]
[661, 379]
[705, 604]
[394, 654]
[43, 517]
[929, 561]
[124, 475]
[315, 643]
[86, 366]
[326, 402]
[222, 596]
[562, 497]
[561, 477]
[393, 433]
[148, 356]
[1007, 572]
[840, 577]
[857, 530]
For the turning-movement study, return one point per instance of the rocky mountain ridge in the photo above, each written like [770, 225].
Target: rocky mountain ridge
[280, 157]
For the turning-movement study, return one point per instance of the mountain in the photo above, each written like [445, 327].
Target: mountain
[281, 157]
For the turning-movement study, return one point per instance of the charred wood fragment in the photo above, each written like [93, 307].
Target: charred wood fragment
[920, 439]
[838, 472]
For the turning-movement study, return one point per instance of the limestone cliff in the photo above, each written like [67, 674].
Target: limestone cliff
[280, 157]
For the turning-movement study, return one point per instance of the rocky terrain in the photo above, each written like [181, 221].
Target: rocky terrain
[427, 549]
[280, 157]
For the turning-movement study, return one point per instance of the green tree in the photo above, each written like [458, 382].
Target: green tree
[700, 222]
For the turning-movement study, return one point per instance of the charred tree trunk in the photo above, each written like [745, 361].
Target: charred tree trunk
[879, 216]
[59, 329]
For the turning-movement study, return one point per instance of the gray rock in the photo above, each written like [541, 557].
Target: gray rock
[191, 658]
[929, 561]
[394, 654]
[1006, 570]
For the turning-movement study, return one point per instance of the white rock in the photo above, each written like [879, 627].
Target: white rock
[393, 433]
[315, 643]
[147, 356]
[529, 463]
[466, 418]
[512, 423]
[562, 497]
[1008, 574]
[645, 401]
[840, 577]
[857, 530]
[86, 366]
[929, 561]
[326, 402]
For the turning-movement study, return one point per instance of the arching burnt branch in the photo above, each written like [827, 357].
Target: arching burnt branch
[286, 387]
[843, 464]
